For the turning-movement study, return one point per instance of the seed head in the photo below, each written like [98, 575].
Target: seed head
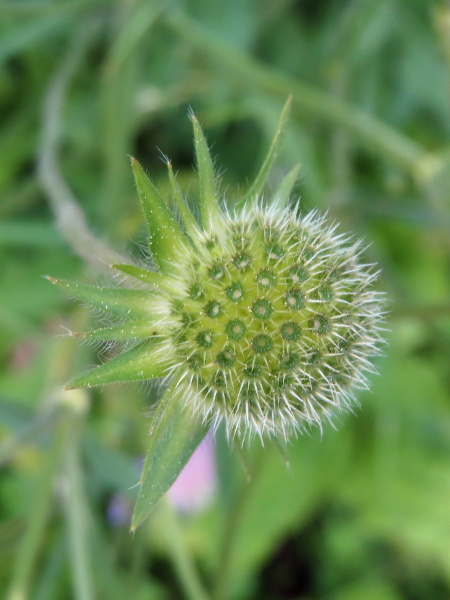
[260, 317]
[276, 335]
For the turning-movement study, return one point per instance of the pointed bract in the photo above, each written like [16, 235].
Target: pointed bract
[282, 194]
[126, 331]
[174, 435]
[165, 235]
[151, 277]
[118, 301]
[145, 361]
[183, 209]
[209, 208]
[260, 181]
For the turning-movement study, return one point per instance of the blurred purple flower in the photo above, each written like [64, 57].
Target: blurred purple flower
[197, 482]
[191, 492]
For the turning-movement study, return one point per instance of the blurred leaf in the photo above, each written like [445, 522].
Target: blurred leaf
[142, 16]
[260, 181]
[21, 233]
[110, 469]
[19, 36]
[369, 590]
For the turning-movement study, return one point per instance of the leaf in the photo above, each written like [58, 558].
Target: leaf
[165, 234]
[145, 361]
[184, 211]
[209, 207]
[140, 19]
[281, 196]
[121, 302]
[18, 38]
[124, 331]
[260, 181]
[174, 435]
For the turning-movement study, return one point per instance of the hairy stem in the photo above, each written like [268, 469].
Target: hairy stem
[69, 217]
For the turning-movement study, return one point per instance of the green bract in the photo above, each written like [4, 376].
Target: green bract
[256, 318]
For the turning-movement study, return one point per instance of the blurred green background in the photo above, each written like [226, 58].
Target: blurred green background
[363, 511]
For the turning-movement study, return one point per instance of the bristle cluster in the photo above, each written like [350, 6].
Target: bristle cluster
[276, 321]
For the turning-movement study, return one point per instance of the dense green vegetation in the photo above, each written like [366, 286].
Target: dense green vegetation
[362, 511]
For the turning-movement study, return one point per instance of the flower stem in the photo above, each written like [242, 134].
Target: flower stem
[231, 528]
[69, 217]
[187, 574]
[77, 516]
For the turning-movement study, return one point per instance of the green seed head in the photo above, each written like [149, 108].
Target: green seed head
[285, 335]
[262, 319]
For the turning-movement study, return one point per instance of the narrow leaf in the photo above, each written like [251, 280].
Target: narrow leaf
[124, 331]
[184, 211]
[122, 302]
[140, 18]
[258, 185]
[165, 235]
[22, 34]
[151, 277]
[145, 361]
[174, 435]
[209, 207]
[282, 194]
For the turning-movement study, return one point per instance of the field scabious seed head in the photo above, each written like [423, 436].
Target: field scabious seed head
[258, 317]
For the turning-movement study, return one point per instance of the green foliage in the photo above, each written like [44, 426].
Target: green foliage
[361, 512]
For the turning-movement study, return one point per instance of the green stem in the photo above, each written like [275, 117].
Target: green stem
[231, 529]
[32, 540]
[77, 517]
[374, 133]
[188, 576]
[69, 217]
[119, 88]
[51, 570]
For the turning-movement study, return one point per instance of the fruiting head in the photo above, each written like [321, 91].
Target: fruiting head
[260, 317]
[273, 321]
